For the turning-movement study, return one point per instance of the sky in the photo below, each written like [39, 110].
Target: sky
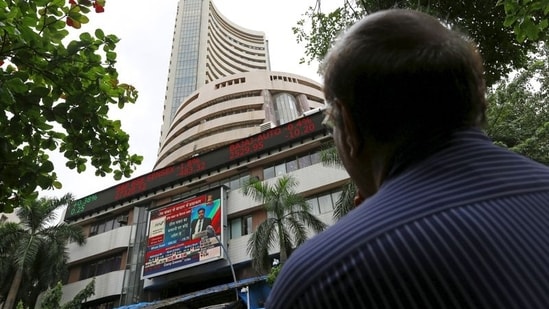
[145, 29]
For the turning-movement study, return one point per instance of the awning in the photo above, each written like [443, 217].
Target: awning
[197, 294]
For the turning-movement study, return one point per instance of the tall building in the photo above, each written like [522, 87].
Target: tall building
[227, 119]
[207, 46]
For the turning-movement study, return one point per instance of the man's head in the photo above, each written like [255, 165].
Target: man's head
[400, 77]
[201, 212]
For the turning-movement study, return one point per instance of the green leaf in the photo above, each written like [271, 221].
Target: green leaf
[86, 37]
[57, 95]
[99, 34]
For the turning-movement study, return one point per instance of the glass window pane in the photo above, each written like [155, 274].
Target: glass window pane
[280, 169]
[244, 180]
[325, 203]
[315, 157]
[247, 225]
[304, 161]
[109, 224]
[313, 202]
[335, 197]
[234, 184]
[291, 166]
[101, 228]
[269, 172]
[236, 228]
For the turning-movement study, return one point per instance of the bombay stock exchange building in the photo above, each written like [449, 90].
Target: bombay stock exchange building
[227, 118]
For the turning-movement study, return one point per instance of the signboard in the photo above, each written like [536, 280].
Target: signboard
[247, 147]
[185, 234]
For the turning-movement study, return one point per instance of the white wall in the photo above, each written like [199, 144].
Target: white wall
[117, 238]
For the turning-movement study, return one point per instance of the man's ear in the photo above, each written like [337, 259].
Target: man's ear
[352, 137]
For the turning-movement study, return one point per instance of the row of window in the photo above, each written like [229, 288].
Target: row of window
[107, 224]
[320, 204]
[100, 267]
[278, 169]
[291, 164]
[324, 202]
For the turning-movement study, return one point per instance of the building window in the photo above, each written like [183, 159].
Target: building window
[324, 202]
[285, 106]
[237, 181]
[313, 203]
[100, 267]
[107, 224]
[241, 226]
[269, 172]
[280, 169]
[291, 164]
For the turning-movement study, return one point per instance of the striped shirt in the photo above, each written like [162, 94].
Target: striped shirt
[468, 227]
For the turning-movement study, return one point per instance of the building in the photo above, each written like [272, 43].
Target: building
[235, 107]
[227, 118]
[207, 46]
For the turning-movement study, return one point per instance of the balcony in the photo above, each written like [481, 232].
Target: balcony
[100, 243]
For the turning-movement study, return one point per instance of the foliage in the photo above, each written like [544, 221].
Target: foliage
[52, 297]
[273, 274]
[518, 111]
[55, 96]
[288, 217]
[481, 20]
[33, 253]
[20, 305]
[529, 18]
[346, 201]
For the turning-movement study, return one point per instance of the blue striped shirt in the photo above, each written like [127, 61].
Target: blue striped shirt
[468, 227]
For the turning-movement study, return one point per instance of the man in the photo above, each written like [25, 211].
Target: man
[450, 220]
[201, 223]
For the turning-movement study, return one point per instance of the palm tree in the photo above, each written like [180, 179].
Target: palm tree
[346, 201]
[288, 217]
[33, 252]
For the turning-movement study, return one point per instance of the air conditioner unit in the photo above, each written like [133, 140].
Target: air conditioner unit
[122, 219]
[265, 126]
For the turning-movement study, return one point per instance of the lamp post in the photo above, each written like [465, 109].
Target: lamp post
[212, 233]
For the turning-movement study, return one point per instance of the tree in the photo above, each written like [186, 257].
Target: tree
[33, 253]
[346, 201]
[52, 297]
[288, 217]
[55, 96]
[518, 110]
[483, 21]
[529, 18]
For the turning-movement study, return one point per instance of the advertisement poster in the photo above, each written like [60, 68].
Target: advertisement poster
[179, 237]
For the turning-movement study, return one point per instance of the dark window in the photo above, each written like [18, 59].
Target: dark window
[107, 224]
[241, 226]
[100, 267]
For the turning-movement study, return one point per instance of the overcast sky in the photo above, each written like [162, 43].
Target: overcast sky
[146, 29]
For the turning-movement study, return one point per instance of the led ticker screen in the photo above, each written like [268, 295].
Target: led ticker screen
[178, 237]
[250, 146]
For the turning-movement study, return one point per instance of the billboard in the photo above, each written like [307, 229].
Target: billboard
[178, 234]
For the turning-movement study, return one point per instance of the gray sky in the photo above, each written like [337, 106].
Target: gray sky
[145, 29]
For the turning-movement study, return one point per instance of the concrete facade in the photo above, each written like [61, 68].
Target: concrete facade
[234, 107]
[207, 46]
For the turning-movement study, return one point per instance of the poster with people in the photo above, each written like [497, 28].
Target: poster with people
[184, 234]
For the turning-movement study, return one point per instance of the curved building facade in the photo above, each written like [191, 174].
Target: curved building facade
[207, 46]
[236, 107]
